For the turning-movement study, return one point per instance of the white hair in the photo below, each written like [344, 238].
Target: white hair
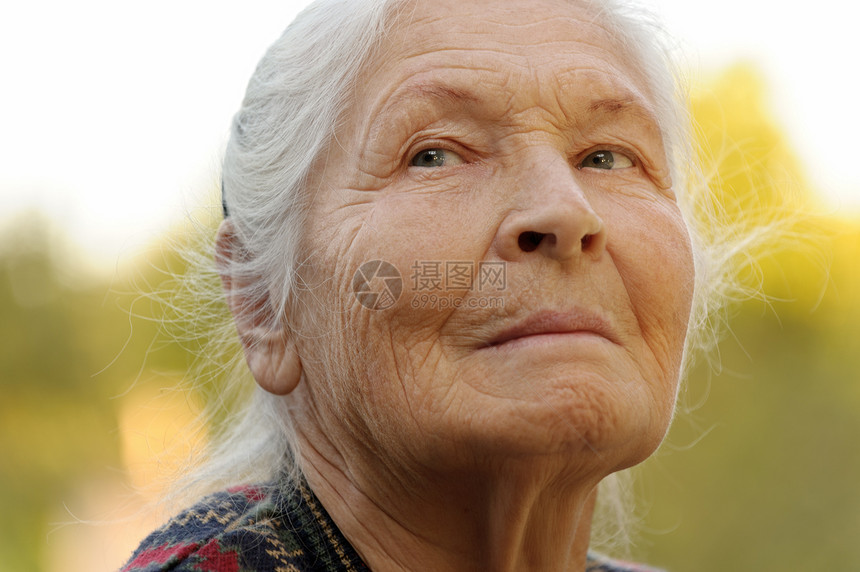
[292, 106]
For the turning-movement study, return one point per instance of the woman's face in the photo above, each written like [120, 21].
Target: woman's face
[505, 159]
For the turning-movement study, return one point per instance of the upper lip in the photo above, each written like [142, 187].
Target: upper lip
[556, 322]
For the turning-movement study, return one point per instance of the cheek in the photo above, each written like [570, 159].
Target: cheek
[414, 232]
[652, 251]
[440, 221]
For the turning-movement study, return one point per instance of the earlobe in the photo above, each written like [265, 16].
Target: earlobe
[270, 350]
[275, 364]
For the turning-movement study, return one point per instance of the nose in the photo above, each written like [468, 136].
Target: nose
[551, 216]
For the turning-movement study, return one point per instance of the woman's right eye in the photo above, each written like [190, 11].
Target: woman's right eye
[436, 158]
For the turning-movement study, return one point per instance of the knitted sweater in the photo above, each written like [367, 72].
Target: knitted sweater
[267, 528]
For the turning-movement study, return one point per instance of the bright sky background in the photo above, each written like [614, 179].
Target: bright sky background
[114, 114]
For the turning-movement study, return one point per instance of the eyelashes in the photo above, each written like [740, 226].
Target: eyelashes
[436, 157]
[605, 159]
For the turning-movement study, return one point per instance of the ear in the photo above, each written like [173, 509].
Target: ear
[270, 349]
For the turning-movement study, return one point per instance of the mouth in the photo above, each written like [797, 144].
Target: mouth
[550, 326]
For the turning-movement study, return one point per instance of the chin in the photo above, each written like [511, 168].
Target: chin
[591, 426]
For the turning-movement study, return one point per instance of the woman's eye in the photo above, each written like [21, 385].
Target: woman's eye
[604, 159]
[436, 158]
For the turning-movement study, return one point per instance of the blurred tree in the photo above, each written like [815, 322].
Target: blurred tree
[56, 419]
[73, 347]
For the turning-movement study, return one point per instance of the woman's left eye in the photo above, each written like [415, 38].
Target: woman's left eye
[605, 159]
[436, 158]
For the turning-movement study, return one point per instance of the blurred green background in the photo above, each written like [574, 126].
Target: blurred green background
[760, 470]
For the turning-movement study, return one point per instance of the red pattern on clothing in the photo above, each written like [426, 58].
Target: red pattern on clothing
[161, 554]
[213, 560]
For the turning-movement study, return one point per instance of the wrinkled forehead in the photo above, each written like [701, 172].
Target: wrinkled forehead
[527, 28]
[506, 52]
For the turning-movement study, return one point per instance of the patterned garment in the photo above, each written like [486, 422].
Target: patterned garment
[264, 529]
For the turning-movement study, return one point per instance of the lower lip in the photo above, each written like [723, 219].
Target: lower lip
[554, 338]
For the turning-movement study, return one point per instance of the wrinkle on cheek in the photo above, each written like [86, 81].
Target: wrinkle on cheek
[416, 367]
[401, 371]
[338, 231]
[660, 287]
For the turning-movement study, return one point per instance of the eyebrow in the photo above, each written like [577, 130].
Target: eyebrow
[612, 105]
[620, 105]
[443, 94]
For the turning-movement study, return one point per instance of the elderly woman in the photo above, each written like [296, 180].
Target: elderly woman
[458, 255]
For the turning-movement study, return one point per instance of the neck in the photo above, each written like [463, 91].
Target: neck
[518, 514]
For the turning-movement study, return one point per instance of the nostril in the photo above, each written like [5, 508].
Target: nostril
[586, 240]
[530, 240]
